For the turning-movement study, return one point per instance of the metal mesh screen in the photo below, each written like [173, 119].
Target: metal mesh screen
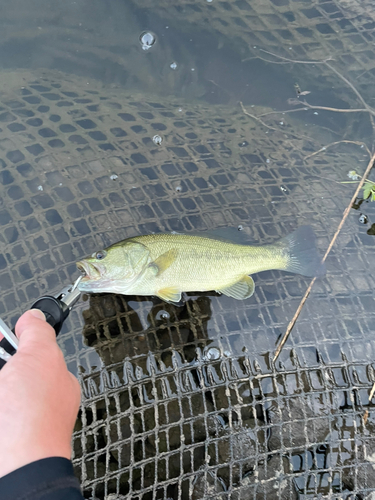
[185, 402]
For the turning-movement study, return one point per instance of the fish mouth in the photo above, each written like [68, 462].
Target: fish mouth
[90, 271]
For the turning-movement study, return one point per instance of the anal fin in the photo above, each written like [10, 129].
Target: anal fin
[169, 294]
[240, 290]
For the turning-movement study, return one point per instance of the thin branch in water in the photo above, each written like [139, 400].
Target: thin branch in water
[358, 143]
[311, 106]
[369, 109]
[286, 111]
[307, 293]
[324, 61]
[287, 60]
[336, 110]
[256, 118]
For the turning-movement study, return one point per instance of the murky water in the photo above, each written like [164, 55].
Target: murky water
[120, 119]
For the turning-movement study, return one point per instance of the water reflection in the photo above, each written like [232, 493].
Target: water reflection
[170, 391]
[121, 328]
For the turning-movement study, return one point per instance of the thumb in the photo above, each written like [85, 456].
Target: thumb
[32, 330]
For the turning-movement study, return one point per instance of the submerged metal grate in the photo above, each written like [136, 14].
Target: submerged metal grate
[185, 402]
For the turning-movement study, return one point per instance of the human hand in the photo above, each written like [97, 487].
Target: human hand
[39, 397]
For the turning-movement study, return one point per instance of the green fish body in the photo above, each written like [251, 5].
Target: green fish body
[166, 265]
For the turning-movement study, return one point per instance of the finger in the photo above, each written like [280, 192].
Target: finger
[32, 328]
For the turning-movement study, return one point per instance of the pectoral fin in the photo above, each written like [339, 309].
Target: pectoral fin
[164, 261]
[240, 290]
[170, 294]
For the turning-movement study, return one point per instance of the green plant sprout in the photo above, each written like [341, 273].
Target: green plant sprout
[369, 190]
[368, 187]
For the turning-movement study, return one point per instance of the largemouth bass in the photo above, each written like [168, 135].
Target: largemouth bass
[166, 265]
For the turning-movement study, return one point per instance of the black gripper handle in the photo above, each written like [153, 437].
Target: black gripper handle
[55, 312]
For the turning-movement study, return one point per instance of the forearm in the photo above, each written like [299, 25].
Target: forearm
[47, 479]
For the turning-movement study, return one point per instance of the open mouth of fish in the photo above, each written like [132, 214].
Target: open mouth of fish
[89, 271]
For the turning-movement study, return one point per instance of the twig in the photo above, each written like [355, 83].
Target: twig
[351, 86]
[358, 143]
[307, 293]
[256, 118]
[306, 106]
[287, 60]
[324, 61]
[285, 111]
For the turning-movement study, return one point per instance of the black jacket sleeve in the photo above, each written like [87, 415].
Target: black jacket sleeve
[47, 479]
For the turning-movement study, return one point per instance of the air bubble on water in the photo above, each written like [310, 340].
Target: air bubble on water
[113, 177]
[268, 160]
[363, 219]
[212, 354]
[40, 188]
[147, 40]
[173, 65]
[157, 140]
[240, 227]
[162, 315]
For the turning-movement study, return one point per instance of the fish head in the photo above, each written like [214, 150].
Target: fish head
[114, 269]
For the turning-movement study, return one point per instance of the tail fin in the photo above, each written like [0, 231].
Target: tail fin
[303, 257]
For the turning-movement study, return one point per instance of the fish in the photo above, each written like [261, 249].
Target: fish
[167, 264]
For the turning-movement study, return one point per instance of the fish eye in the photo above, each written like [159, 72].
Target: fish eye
[100, 255]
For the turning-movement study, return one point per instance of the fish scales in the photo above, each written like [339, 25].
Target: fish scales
[209, 263]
